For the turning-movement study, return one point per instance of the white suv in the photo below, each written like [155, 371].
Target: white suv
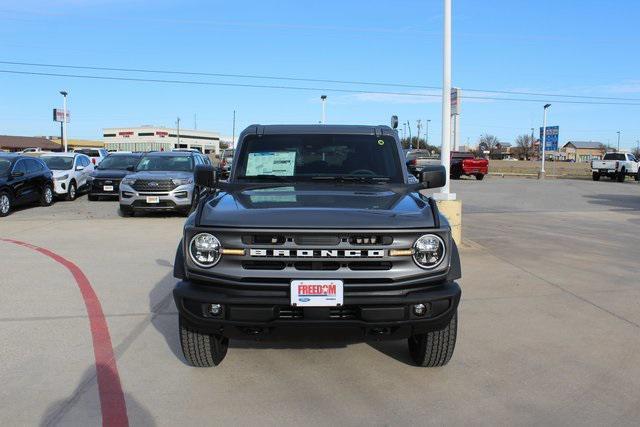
[70, 172]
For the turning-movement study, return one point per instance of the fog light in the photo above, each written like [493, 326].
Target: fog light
[419, 309]
[215, 309]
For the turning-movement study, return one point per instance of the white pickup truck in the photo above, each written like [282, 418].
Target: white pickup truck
[615, 166]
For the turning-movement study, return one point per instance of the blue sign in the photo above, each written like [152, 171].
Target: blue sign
[551, 141]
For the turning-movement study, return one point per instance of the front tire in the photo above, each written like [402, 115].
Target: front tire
[5, 203]
[126, 211]
[72, 192]
[93, 198]
[595, 176]
[46, 196]
[202, 350]
[434, 348]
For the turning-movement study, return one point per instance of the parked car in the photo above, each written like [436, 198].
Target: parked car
[226, 161]
[318, 225]
[465, 163]
[105, 179]
[162, 181]
[417, 159]
[615, 166]
[70, 173]
[23, 180]
[95, 154]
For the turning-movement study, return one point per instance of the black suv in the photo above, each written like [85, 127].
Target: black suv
[105, 179]
[318, 226]
[23, 180]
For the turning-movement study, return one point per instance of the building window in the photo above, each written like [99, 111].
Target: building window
[145, 133]
[109, 135]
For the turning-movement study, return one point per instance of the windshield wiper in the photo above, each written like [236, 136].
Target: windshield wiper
[352, 178]
[276, 178]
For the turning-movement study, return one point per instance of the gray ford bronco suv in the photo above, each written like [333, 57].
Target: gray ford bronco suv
[319, 226]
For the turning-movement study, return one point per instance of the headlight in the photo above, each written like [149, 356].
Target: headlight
[62, 178]
[183, 181]
[128, 181]
[428, 251]
[204, 250]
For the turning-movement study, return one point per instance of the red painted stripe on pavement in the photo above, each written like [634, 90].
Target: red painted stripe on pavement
[112, 403]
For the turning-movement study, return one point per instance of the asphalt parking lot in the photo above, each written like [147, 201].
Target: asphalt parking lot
[549, 329]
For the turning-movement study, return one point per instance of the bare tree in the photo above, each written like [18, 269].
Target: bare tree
[525, 146]
[491, 144]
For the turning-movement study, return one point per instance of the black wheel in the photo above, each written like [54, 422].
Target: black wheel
[638, 175]
[434, 348]
[72, 192]
[455, 176]
[5, 203]
[479, 176]
[622, 175]
[46, 196]
[126, 211]
[202, 350]
[595, 176]
[92, 198]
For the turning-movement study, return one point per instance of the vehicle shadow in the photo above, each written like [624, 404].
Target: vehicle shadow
[82, 407]
[617, 202]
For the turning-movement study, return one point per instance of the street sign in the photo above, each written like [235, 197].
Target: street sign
[551, 140]
[58, 115]
[456, 100]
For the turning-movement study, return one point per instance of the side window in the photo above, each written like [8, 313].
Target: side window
[20, 167]
[32, 166]
[84, 161]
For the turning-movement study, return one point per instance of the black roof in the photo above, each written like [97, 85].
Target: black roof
[170, 153]
[318, 129]
[116, 153]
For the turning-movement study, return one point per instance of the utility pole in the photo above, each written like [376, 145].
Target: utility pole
[533, 139]
[233, 138]
[178, 133]
[404, 131]
[324, 108]
[419, 126]
[426, 136]
[618, 141]
[445, 151]
[544, 140]
[64, 119]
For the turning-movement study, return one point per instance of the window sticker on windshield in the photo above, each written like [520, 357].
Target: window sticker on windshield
[279, 163]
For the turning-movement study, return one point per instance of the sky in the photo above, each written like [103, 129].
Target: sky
[585, 48]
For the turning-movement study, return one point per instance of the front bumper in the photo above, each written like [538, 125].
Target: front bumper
[248, 314]
[178, 199]
[97, 187]
[61, 187]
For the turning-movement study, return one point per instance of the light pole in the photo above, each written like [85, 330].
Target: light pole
[426, 136]
[419, 126]
[445, 151]
[410, 140]
[544, 140]
[618, 141]
[64, 94]
[233, 137]
[324, 109]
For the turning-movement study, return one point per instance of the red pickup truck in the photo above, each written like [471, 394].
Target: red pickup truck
[463, 163]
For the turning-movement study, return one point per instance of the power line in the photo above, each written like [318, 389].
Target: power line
[300, 79]
[302, 88]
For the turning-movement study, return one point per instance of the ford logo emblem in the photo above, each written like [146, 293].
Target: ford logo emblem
[153, 184]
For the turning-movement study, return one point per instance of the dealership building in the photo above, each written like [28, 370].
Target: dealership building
[150, 138]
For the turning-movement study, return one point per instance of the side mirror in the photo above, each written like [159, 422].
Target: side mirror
[79, 168]
[131, 168]
[433, 176]
[394, 122]
[206, 176]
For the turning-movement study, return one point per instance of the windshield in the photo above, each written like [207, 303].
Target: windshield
[118, 162]
[88, 152]
[166, 163]
[5, 164]
[58, 163]
[307, 157]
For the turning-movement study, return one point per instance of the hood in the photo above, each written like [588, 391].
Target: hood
[160, 175]
[319, 206]
[58, 173]
[110, 173]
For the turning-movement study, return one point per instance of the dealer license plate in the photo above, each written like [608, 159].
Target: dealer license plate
[108, 188]
[317, 293]
[153, 199]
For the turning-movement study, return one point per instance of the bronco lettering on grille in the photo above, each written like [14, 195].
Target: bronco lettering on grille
[317, 253]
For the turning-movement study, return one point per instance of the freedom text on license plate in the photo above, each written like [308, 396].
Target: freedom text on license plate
[317, 293]
[153, 199]
[108, 188]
